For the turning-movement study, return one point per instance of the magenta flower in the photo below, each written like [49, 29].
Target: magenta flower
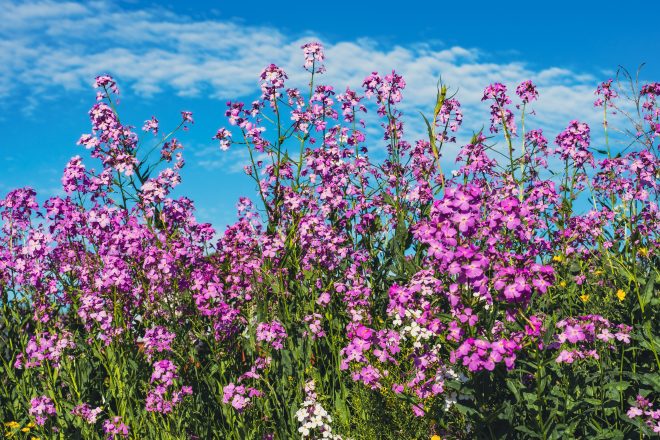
[574, 144]
[85, 412]
[157, 340]
[272, 79]
[151, 125]
[115, 428]
[572, 333]
[313, 54]
[42, 407]
[237, 395]
[224, 136]
[526, 90]
[273, 333]
[187, 116]
[606, 94]
[106, 82]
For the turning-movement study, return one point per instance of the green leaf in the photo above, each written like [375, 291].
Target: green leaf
[647, 294]
[514, 388]
[527, 431]
[434, 147]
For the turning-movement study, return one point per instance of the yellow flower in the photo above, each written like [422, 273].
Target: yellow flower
[558, 258]
[621, 294]
[436, 437]
[31, 425]
[12, 425]
[26, 429]
[584, 298]
[643, 252]
[562, 283]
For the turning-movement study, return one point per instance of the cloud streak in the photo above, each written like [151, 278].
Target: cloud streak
[65, 44]
[49, 47]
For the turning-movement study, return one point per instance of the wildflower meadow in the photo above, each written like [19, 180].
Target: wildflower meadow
[515, 296]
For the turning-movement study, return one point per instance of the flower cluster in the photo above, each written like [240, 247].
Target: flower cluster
[578, 334]
[44, 347]
[643, 409]
[573, 144]
[314, 420]
[478, 354]
[239, 396]
[527, 92]
[115, 428]
[41, 408]
[272, 80]
[313, 53]
[499, 114]
[273, 333]
[606, 94]
[163, 397]
[387, 89]
[400, 289]
[315, 326]
[157, 340]
[86, 412]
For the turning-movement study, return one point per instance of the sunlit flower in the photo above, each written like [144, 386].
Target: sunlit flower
[621, 294]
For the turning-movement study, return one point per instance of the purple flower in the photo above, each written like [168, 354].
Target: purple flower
[315, 326]
[526, 90]
[606, 94]
[313, 54]
[239, 396]
[164, 372]
[272, 79]
[187, 116]
[85, 412]
[497, 92]
[115, 428]
[44, 347]
[273, 333]
[565, 356]
[572, 333]
[224, 136]
[151, 125]
[41, 407]
[574, 144]
[106, 82]
[157, 340]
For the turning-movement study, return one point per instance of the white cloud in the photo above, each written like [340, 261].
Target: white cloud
[48, 46]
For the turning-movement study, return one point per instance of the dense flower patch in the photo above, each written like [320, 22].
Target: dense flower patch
[516, 297]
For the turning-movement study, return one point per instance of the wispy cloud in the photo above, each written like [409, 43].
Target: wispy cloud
[49, 47]
[48, 43]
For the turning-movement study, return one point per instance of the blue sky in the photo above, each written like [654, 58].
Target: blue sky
[169, 56]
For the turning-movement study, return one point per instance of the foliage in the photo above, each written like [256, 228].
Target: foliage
[514, 298]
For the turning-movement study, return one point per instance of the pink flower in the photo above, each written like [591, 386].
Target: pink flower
[151, 125]
[526, 90]
[187, 116]
[566, 357]
[273, 333]
[41, 407]
[106, 82]
[115, 427]
[633, 412]
[85, 412]
[313, 54]
[323, 299]
[224, 136]
[573, 333]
